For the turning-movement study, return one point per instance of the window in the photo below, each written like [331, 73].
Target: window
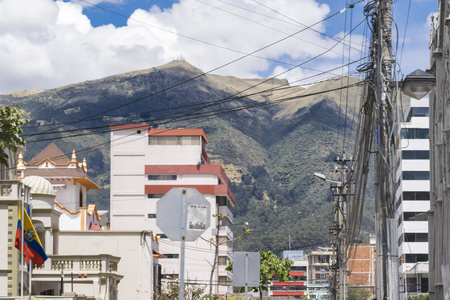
[414, 133]
[419, 154]
[413, 258]
[416, 237]
[224, 240]
[223, 280]
[171, 255]
[174, 140]
[411, 285]
[155, 195]
[420, 111]
[414, 216]
[152, 216]
[416, 175]
[223, 201]
[424, 285]
[162, 177]
[416, 196]
[223, 260]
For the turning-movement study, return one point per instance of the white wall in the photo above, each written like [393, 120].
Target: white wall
[134, 263]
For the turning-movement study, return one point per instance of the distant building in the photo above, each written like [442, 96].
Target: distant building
[145, 164]
[413, 198]
[362, 267]
[320, 272]
[70, 181]
[297, 286]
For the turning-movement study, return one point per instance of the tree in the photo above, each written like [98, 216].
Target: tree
[270, 265]
[216, 244]
[192, 291]
[10, 122]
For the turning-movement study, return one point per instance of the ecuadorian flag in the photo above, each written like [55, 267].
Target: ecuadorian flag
[32, 245]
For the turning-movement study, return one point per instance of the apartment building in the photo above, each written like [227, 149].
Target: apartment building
[320, 272]
[413, 198]
[145, 164]
[297, 286]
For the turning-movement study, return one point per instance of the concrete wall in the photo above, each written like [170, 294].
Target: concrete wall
[134, 264]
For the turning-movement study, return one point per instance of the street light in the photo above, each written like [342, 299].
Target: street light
[323, 177]
[418, 84]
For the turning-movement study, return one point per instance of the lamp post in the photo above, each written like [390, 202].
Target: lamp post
[418, 84]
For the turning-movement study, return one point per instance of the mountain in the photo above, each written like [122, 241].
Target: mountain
[270, 137]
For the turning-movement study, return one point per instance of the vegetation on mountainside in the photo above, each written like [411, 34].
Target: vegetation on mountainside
[274, 149]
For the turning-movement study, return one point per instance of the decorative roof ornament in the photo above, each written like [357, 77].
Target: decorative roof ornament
[74, 157]
[84, 165]
[20, 163]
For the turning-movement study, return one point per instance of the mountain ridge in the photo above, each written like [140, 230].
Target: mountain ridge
[270, 147]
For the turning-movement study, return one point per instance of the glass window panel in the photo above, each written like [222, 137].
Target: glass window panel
[410, 237]
[422, 175]
[409, 196]
[171, 140]
[421, 133]
[408, 155]
[422, 195]
[420, 112]
[422, 237]
[422, 257]
[408, 175]
[422, 154]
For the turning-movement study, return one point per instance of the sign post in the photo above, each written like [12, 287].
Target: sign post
[183, 215]
[246, 270]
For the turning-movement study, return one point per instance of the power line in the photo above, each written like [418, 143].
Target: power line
[200, 75]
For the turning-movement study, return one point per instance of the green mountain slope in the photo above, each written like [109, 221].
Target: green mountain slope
[270, 137]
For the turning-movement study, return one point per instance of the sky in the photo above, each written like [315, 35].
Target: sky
[46, 44]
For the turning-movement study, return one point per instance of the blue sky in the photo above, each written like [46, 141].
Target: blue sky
[47, 43]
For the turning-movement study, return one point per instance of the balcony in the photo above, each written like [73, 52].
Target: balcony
[79, 264]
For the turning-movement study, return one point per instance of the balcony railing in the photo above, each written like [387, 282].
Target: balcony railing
[104, 263]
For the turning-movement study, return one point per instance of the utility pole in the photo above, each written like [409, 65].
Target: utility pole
[342, 224]
[387, 266]
[340, 191]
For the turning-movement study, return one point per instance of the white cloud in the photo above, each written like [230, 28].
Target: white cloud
[47, 44]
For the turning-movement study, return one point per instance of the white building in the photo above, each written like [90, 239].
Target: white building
[93, 262]
[413, 198]
[70, 181]
[145, 164]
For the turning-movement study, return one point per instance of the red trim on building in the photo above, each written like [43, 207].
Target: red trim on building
[297, 273]
[188, 169]
[289, 283]
[276, 293]
[129, 126]
[218, 190]
[178, 132]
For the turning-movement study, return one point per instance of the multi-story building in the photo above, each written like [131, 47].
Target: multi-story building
[362, 267]
[438, 216]
[88, 257]
[145, 164]
[320, 272]
[297, 286]
[413, 198]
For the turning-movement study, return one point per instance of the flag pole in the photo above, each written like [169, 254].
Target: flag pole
[21, 242]
[30, 268]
